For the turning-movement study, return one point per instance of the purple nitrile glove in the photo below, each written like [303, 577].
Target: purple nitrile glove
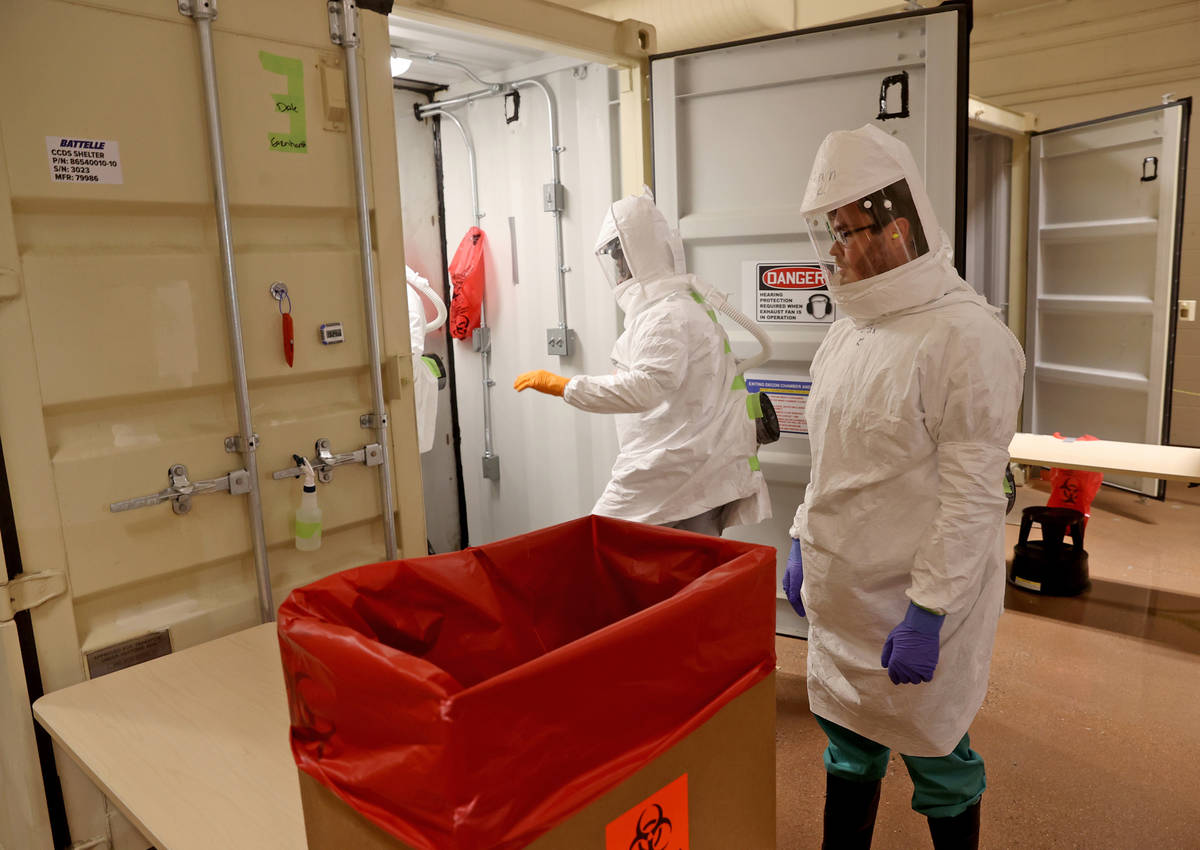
[793, 578]
[910, 653]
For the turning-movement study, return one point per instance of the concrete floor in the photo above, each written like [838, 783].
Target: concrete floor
[1091, 727]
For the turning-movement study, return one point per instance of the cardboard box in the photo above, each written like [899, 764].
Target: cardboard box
[729, 764]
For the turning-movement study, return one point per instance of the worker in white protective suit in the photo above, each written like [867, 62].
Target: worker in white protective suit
[897, 556]
[688, 450]
[426, 370]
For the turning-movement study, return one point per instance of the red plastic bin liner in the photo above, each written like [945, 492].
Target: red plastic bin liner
[476, 699]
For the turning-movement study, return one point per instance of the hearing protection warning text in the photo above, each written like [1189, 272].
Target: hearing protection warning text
[74, 160]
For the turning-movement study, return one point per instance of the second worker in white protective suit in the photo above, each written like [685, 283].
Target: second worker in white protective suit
[688, 451]
[898, 549]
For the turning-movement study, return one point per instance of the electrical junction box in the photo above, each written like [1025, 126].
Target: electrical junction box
[331, 332]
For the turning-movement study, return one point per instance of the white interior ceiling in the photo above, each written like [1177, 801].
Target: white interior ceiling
[487, 58]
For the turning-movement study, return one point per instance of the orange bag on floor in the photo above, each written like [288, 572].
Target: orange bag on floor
[476, 699]
[1074, 488]
[467, 277]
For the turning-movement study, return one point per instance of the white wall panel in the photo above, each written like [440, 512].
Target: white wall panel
[555, 460]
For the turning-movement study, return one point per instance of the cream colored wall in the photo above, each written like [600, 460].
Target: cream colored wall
[682, 24]
[1070, 62]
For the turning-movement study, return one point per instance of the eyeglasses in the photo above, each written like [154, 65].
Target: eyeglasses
[843, 235]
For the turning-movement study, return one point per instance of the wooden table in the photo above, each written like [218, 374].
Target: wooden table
[1169, 462]
[191, 747]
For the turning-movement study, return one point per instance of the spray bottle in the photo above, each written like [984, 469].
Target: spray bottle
[308, 515]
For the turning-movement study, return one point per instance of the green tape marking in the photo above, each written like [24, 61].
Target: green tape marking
[290, 104]
[754, 406]
[739, 383]
[696, 296]
[728, 350]
[433, 367]
[754, 464]
[307, 529]
[712, 315]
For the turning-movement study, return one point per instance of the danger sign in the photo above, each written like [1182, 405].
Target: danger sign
[792, 293]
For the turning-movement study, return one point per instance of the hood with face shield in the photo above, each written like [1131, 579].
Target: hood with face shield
[642, 256]
[873, 227]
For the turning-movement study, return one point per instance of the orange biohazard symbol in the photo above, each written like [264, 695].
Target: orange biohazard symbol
[660, 822]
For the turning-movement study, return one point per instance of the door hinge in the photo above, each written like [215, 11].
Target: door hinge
[29, 590]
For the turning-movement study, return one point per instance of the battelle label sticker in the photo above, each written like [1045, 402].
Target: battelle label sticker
[660, 822]
[75, 160]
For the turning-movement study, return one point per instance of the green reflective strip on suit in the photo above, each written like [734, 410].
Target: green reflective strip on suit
[754, 406]
[754, 464]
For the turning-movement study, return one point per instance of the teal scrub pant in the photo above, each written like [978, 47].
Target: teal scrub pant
[943, 786]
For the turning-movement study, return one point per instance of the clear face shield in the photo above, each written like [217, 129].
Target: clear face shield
[612, 260]
[869, 236]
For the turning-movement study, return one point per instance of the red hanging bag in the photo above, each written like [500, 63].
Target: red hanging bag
[467, 277]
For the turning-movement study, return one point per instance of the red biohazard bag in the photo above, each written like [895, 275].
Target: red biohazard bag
[476, 699]
[467, 277]
[1074, 488]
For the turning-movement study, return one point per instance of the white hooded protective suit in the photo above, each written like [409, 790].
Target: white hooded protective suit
[425, 382]
[913, 404]
[687, 442]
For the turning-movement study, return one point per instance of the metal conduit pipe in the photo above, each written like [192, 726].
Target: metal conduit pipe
[344, 31]
[485, 338]
[559, 344]
[558, 339]
[435, 57]
[246, 439]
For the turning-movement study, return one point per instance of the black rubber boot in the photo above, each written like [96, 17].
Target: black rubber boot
[960, 832]
[850, 809]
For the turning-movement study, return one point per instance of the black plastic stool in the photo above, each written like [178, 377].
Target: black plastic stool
[1049, 566]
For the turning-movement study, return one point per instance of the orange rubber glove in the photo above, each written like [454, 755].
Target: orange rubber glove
[542, 381]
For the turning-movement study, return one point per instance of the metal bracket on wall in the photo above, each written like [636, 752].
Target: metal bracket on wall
[325, 460]
[29, 590]
[198, 8]
[373, 421]
[181, 490]
[343, 22]
[238, 443]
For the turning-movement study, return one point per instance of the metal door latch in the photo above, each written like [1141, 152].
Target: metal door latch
[29, 590]
[181, 490]
[325, 460]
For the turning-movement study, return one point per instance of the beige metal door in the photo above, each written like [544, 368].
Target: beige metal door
[24, 822]
[113, 354]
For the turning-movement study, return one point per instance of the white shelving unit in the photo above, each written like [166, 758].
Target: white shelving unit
[1101, 271]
